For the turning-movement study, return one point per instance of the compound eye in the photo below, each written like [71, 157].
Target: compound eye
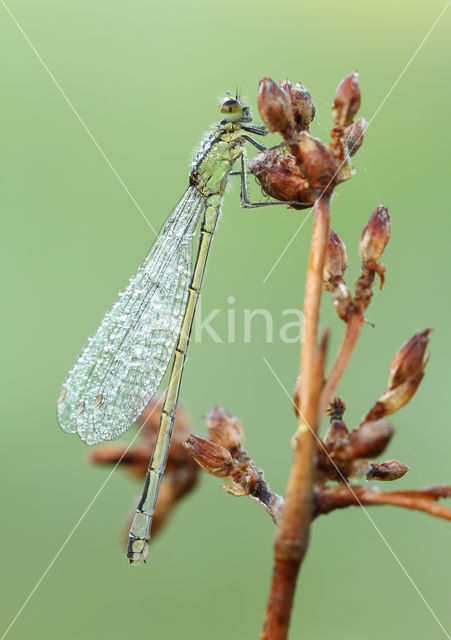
[231, 108]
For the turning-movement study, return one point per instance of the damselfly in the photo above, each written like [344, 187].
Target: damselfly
[123, 364]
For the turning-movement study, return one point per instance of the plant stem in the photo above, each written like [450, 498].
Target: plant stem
[349, 341]
[292, 534]
[332, 498]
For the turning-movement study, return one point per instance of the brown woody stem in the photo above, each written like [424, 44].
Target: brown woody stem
[292, 534]
[348, 344]
[332, 498]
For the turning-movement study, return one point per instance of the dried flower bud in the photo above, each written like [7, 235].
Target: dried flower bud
[286, 86]
[346, 101]
[318, 161]
[370, 439]
[375, 235]
[235, 490]
[341, 297]
[281, 178]
[354, 136]
[357, 470]
[213, 458]
[245, 477]
[336, 261]
[275, 107]
[336, 409]
[409, 359]
[390, 470]
[394, 399]
[345, 171]
[224, 429]
[303, 107]
[337, 435]
[334, 268]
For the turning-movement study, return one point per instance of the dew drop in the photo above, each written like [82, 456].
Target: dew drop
[98, 400]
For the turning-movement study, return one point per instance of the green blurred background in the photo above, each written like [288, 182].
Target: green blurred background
[144, 77]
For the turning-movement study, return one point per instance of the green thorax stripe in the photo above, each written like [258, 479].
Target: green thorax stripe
[218, 152]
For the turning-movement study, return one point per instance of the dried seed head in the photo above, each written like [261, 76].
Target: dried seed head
[390, 470]
[318, 162]
[224, 429]
[342, 299]
[346, 101]
[286, 86]
[370, 439]
[357, 470]
[336, 409]
[337, 435]
[394, 399]
[375, 235]
[409, 359]
[303, 107]
[336, 261]
[354, 136]
[213, 458]
[275, 107]
[345, 171]
[281, 178]
[235, 490]
[335, 266]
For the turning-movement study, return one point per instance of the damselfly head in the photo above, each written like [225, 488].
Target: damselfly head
[233, 109]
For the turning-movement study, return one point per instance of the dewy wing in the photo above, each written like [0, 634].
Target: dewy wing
[122, 365]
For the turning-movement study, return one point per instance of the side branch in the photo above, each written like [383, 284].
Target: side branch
[351, 335]
[223, 456]
[332, 498]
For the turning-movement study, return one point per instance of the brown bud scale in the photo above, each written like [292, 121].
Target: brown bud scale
[275, 108]
[390, 470]
[346, 101]
[318, 163]
[213, 458]
[375, 235]
[409, 359]
[281, 178]
[303, 107]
